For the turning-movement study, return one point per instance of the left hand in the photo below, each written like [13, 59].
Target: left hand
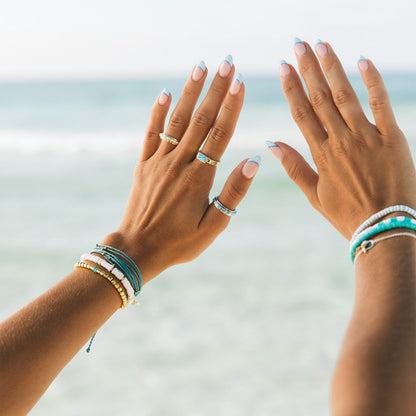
[361, 167]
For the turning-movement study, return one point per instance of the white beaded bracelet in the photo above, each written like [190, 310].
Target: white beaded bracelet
[112, 269]
[381, 214]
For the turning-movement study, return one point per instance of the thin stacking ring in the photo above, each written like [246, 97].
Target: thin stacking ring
[205, 159]
[169, 139]
[222, 208]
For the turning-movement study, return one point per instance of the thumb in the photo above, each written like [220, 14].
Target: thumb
[297, 169]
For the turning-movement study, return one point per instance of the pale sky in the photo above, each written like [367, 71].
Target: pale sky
[53, 39]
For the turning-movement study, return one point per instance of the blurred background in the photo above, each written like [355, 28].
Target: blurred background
[254, 325]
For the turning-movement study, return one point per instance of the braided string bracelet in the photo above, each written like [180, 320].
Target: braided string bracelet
[378, 215]
[367, 245]
[388, 224]
[123, 262]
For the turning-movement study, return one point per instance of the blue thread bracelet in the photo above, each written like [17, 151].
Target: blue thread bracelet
[389, 224]
[124, 263]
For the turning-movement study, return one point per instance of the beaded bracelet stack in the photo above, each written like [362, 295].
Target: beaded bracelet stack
[123, 273]
[362, 240]
[117, 268]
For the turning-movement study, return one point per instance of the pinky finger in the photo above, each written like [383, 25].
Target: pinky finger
[156, 124]
[378, 98]
[234, 190]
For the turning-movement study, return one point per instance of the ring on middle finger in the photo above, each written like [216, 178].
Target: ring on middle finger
[169, 139]
[205, 159]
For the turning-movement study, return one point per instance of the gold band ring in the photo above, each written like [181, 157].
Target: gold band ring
[169, 139]
[205, 159]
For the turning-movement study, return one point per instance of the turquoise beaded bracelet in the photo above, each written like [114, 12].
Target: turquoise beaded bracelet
[389, 224]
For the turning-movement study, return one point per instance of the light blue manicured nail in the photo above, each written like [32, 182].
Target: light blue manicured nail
[239, 78]
[229, 60]
[255, 159]
[269, 143]
[298, 40]
[283, 62]
[318, 41]
[202, 66]
[166, 92]
[362, 58]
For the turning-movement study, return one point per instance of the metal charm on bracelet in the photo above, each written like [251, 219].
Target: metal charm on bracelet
[169, 139]
[222, 208]
[205, 159]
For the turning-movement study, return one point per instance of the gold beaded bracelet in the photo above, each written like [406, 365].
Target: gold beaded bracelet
[107, 276]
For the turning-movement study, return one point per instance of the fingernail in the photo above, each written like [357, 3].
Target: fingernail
[275, 149]
[320, 48]
[251, 167]
[284, 68]
[225, 67]
[199, 71]
[236, 85]
[363, 64]
[300, 48]
[269, 143]
[164, 97]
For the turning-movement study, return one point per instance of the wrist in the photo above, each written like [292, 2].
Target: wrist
[138, 251]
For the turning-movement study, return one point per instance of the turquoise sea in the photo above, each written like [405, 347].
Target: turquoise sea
[252, 327]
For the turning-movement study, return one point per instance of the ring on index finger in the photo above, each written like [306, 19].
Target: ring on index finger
[169, 139]
[205, 159]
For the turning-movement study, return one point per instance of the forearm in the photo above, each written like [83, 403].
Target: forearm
[40, 339]
[376, 370]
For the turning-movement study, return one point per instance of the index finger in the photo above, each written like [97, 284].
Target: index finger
[378, 98]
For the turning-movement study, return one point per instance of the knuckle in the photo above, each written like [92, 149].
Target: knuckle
[187, 91]
[306, 66]
[151, 134]
[288, 87]
[217, 90]
[172, 171]
[177, 122]
[341, 147]
[341, 97]
[219, 134]
[377, 104]
[318, 97]
[189, 179]
[201, 119]
[321, 159]
[228, 107]
[293, 172]
[301, 114]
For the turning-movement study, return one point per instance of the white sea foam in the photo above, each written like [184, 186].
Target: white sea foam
[116, 143]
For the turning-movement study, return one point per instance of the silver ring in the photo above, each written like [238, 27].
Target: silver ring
[169, 139]
[222, 208]
[205, 159]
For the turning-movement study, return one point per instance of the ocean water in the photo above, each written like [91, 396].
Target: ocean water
[252, 327]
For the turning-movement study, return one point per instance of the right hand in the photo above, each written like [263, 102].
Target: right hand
[361, 167]
[169, 217]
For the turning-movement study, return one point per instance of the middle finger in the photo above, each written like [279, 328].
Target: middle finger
[207, 112]
[319, 92]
